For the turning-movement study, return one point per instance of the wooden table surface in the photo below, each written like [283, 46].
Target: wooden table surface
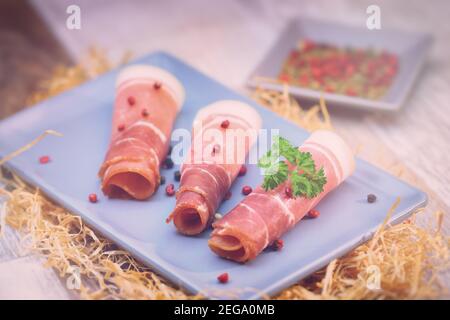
[226, 40]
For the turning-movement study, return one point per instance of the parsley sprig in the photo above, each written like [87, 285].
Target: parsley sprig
[305, 180]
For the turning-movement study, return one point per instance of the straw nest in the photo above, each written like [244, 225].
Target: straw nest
[409, 258]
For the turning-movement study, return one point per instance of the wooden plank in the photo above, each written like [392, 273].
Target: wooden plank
[10, 247]
[27, 278]
[28, 53]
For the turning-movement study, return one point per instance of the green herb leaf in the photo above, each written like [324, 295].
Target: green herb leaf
[279, 176]
[305, 180]
[300, 185]
[287, 150]
[318, 180]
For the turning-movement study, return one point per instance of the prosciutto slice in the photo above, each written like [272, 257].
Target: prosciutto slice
[146, 105]
[222, 135]
[262, 217]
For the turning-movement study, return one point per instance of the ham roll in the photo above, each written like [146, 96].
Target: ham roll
[264, 216]
[147, 102]
[222, 135]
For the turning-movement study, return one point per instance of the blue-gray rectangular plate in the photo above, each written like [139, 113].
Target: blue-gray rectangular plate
[410, 48]
[83, 115]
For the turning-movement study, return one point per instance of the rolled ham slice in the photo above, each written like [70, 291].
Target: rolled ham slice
[264, 216]
[146, 105]
[222, 135]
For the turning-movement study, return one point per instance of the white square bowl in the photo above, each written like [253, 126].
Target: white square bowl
[410, 48]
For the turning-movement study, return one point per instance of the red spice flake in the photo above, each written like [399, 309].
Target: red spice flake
[323, 67]
[121, 127]
[277, 245]
[170, 190]
[44, 159]
[313, 214]
[131, 101]
[351, 92]
[246, 190]
[228, 195]
[144, 112]
[315, 62]
[293, 55]
[304, 80]
[301, 63]
[93, 198]
[308, 45]
[349, 70]
[284, 77]
[223, 278]
[242, 170]
[157, 85]
[225, 124]
[316, 72]
[390, 72]
[329, 89]
[288, 192]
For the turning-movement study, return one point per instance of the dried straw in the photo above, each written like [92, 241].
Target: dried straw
[29, 145]
[409, 258]
[314, 118]
[67, 243]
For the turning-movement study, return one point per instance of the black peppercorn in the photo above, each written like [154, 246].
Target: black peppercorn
[168, 163]
[177, 175]
[371, 198]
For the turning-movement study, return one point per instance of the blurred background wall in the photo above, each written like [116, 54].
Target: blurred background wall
[27, 52]
[218, 35]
